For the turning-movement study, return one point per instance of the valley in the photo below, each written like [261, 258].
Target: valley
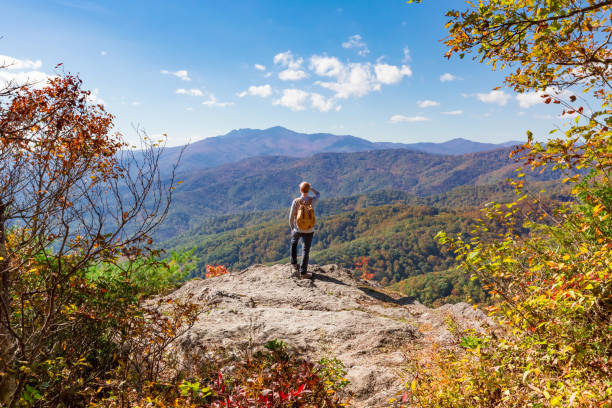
[385, 205]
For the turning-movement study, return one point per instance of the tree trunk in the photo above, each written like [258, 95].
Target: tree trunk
[7, 381]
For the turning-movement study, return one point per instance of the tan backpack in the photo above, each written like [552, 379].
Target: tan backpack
[305, 218]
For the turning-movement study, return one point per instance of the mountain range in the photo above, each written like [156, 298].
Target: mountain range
[278, 141]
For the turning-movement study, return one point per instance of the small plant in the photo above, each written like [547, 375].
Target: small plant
[333, 372]
[275, 345]
[361, 265]
[194, 390]
[471, 342]
[214, 271]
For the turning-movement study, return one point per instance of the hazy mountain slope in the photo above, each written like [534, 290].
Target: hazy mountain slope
[451, 147]
[243, 143]
[279, 141]
[264, 183]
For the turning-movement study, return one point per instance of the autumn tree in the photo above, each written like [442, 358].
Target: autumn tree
[72, 195]
[549, 270]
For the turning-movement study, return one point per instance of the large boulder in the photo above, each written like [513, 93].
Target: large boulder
[334, 315]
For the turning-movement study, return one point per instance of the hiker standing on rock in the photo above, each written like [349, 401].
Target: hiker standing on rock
[302, 221]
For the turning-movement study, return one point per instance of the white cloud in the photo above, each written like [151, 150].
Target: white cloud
[189, 109]
[354, 80]
[213, 102]
[356, 42]
[293, 99]
[181, 74]
[326, 66]
[263, 91]
[103, 53]
[529, 99]
[391, 74]
[136, 103]
[192, 92]
[407, 57]
[20, 72]
[36, 79]
[294, 70]
[292, 75]
[15, 64]
[496, 97]
[454, 112]
[448, 77]
[319, 102]
[260, 67]
[283, 58]
[402, 118]
[427, 103]
[346, 79]
[287, 59]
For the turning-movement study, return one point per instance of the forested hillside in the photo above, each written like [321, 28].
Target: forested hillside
[397, 238]
[394, 230]
[265, 183]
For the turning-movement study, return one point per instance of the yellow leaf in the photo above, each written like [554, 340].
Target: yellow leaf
[413, 385]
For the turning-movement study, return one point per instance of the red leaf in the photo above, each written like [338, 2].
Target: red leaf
[405, 397]
[299, 390]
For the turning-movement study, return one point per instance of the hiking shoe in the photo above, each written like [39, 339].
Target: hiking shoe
[306, 275]
[295, 270]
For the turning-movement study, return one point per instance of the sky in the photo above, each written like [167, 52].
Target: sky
[195, 69]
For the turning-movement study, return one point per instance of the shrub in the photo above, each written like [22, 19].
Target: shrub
[271, 376]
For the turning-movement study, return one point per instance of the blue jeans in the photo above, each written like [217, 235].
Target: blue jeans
[307, 241]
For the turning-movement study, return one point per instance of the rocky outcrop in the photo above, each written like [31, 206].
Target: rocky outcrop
[334, 315]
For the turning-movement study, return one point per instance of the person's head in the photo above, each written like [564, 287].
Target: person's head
[304, 187]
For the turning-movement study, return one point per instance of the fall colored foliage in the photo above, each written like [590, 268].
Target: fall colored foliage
[214, 271]
[71, 197]
[549, 270]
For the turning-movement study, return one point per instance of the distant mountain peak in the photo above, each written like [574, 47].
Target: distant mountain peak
[243, 143]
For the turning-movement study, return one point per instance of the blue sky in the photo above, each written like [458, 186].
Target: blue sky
[194, 69]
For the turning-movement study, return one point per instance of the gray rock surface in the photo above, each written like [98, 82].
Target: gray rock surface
[334, 315]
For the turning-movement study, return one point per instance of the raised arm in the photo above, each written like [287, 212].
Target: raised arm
[316, 195]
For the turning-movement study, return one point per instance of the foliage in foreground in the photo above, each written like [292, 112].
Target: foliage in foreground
[550, 270]
[268, 377]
